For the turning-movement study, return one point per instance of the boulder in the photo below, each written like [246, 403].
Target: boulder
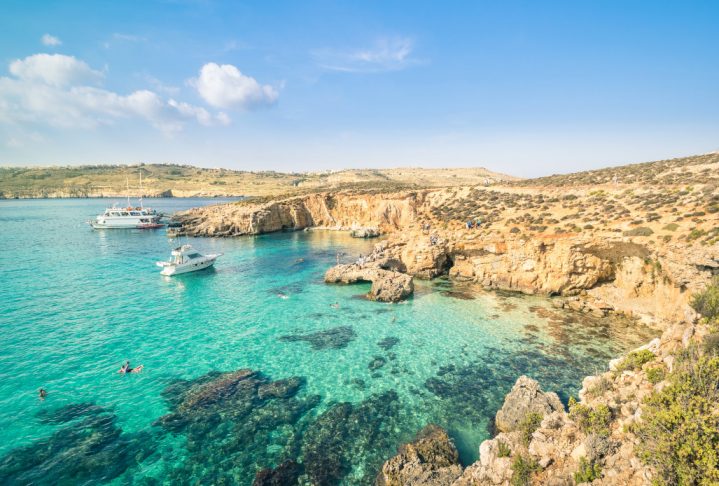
[431, 459]
[387, 286]
[365, 232]
[526, 397]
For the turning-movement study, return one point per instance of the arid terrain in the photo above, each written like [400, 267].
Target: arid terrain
[170, 180]
[640, 240]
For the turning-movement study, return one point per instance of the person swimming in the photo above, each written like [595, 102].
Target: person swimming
[42, 393]
[126, 368]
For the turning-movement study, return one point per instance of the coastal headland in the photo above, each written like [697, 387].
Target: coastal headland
[640, 240]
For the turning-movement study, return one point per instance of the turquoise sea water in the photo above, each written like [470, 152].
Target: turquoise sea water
[75, 303]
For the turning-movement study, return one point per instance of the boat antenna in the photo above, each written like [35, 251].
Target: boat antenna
[141, 206]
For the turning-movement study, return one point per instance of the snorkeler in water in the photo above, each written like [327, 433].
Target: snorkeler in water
[126, 368]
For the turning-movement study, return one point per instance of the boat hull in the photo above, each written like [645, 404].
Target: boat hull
[97, 225]
[169, 271]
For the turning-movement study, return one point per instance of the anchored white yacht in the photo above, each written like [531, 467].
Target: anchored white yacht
[186, 259]
[128, 217]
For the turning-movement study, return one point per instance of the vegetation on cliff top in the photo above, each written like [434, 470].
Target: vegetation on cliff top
[679, 431]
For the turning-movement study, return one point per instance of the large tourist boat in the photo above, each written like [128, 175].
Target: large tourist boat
[128, 217]
[186, 259]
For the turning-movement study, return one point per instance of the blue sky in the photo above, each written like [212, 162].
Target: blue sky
[527, 88]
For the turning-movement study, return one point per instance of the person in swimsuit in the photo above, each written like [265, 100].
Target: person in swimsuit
[42, 393]
[126, 368]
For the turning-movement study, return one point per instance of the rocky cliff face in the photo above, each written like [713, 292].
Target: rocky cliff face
[602, 272]
[337, 211]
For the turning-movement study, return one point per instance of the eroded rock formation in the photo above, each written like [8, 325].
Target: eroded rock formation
[387, 285]
[431, 458]
[526, 397]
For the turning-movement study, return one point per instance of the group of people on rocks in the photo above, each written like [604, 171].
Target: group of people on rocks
[474, 223]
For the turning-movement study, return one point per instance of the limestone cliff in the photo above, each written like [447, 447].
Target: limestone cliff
[328, 210]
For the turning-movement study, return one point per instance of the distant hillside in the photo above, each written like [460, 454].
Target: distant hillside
[696, 169]
[188, 181]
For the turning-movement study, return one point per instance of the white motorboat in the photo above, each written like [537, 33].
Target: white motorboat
[186, 259]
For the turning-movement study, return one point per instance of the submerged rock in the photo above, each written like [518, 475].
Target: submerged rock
[377, 363]
[526, 397]
[235, 424]
[333, 338]
[89, 449]
[431, 459]
[286, 474]
[387, 286]
[285, 388]
[388, 343]
[349, 435]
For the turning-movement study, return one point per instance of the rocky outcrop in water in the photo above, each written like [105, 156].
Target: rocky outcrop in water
[431, 459]
[526, 397]
[387, 286]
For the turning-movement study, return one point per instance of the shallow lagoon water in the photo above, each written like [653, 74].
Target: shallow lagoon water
[75, 303]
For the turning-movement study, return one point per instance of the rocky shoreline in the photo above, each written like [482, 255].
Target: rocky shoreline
[597, 272]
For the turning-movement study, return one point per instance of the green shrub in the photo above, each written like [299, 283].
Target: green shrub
[679, 431]
[527, 426]
[711, 344]
[706, 302]
[695, 234]
[503, 449]
[635, 360]
[588, 471]
[641, 231]
[590, 420]
[523, 468]
[655, 375]
[671, 227]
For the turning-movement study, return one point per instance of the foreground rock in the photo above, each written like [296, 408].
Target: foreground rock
[431, 459]
[387, 285]
[526, 397]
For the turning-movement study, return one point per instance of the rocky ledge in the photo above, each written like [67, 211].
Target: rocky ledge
[541, 443]
[431, 458]
[387, 285]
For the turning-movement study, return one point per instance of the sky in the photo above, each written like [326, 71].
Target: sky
[526, 88]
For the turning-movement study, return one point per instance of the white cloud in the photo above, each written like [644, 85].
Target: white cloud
[387, 54]
[127, 37]
[48, 91]
[226, 87]
[54, 69]
[50, 40]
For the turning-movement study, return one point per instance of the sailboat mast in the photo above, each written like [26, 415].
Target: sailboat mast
[141, 206]
[127, 182]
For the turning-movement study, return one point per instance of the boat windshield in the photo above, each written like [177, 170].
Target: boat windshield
[193, 255]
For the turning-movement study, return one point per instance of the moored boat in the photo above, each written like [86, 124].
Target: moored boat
[186, 259]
